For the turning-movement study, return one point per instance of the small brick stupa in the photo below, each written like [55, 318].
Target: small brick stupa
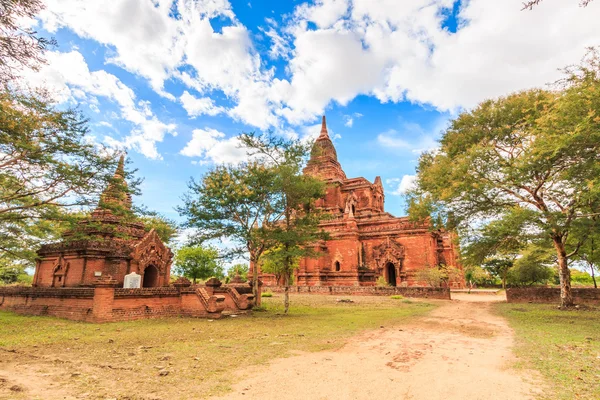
[366, 242]
[110, 243]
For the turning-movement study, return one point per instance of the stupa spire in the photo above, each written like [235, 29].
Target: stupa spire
[324, 133]
[116, 192]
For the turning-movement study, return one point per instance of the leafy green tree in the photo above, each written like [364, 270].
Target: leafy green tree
[496, 245]
[271, 263]
[197, 262]
[48, 169]
[238, 269]
[534, 266]
[296, 233]
[234, 202]
[588, 254]
[20, 47]
[475, 275]
[166, 229]
[439, 276]
[533, 153]
[581, 277]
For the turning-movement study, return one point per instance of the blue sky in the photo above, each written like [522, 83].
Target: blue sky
[174, 82]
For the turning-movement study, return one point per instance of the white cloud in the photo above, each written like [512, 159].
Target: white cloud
[68, 77]
[393, 50]
[407, 183]
[412, 137]
[324, 13]
[199, 106]
[211, 146]
[400, 51]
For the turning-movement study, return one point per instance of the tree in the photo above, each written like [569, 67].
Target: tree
[20, 47]
[197, 262]
[271, 262]
[496, 245]
[238, 269]
[533, 153]
[296, 232]
[439, 276]
[534, 266]
[165, 228]
[476, 276]
[235, 202]
[48, 167]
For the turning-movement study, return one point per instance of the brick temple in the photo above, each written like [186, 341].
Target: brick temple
[110, 268]
[113, 246]
[366, 242]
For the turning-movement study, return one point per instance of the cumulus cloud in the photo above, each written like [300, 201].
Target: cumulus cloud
[400, 51]
[68, 77]
[211, 146]
[412, 137]
[402, 185]
[334, 50]
[199, 106]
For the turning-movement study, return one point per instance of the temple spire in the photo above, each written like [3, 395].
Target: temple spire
[116, 193]
[120, 171]
[324, 133]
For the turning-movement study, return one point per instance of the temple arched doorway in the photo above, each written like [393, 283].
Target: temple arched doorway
[390, 270]
[150, 276]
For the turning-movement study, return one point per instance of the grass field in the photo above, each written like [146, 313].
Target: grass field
[196, 357]
[563, 345]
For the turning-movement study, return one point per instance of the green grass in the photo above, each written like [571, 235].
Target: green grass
[397, 297]
[563, 345]
[200, 354]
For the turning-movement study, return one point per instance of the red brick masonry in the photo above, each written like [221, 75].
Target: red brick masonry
[106, 303]
[551, 295]
[418, 292]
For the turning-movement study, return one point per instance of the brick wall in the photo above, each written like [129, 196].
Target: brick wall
[419, 292]
[551, 295]
[107, 304]
[70, 303]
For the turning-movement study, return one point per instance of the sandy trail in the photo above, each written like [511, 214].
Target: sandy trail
[461, 350]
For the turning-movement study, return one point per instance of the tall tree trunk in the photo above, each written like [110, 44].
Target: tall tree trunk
[255, 291]
[286, 293]
[592, 264]
[593, 274]
[504, 273]
[566, 297]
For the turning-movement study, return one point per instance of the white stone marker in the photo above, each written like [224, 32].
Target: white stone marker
[132, 281]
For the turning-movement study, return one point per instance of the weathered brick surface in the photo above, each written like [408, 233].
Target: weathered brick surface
[418, 292]
[551, 295]
[107, 304]
[366, 242]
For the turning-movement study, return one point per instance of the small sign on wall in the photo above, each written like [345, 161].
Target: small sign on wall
[97, 273]
[132, 281]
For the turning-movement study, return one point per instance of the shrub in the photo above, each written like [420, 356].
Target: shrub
[266, 294]
[381, 282]
[397, 297]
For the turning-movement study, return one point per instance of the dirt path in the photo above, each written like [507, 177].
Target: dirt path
[460, 351]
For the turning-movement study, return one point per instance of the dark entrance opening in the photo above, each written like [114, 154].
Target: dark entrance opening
[150, 276]
[391, 273]
[337, 266]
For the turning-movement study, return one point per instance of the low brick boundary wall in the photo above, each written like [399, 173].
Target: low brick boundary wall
[26, 291]
[551, 295]
[417, 292]
[109, 304]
